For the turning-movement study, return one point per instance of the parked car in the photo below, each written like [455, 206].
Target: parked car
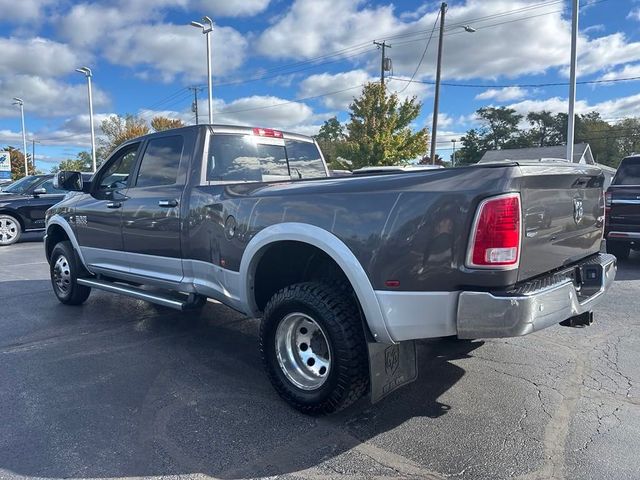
[622, 229]
[346, 272]
[23, 205]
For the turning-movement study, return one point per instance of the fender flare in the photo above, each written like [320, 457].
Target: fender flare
[62, 222]
[329, 244]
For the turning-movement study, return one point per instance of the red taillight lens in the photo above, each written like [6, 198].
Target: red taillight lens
[267, 132]
[495, 240]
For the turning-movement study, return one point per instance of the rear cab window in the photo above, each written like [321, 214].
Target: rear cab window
[628, 172]
[236, 158]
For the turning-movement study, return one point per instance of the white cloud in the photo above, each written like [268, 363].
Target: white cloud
[502, 94]
[36, 56]
[24, 10]
[176, 50]
[634, 14]
[628, 71]
[605, 52]
[233, 8]
[47, 97]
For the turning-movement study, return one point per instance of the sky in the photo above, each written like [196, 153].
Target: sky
[292, 64]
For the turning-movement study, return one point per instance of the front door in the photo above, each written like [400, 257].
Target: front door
[151, 215]
[44, 197]
[98, 218]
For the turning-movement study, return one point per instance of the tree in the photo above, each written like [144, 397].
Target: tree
[379, 132]
[331, 139]
[546, 128]
[160, 124]
[473, 147]
[628, 131]
[82, 163]
[601, 137]
[118, 130]
[17, 163]
[501, 125]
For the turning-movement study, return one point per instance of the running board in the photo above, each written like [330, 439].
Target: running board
[134, 292]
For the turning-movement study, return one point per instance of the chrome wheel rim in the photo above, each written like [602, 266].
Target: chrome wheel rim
[62, 275]
[303, 352]
[8, 230]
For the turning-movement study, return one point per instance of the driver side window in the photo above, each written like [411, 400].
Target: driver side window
[117, 173]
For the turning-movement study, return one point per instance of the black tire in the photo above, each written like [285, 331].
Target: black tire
[64, 269]
[337, 315]
[10, 230]
[620, 250]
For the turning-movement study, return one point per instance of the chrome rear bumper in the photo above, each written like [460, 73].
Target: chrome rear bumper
[534, 305]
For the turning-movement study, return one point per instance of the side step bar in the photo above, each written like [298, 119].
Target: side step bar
[134, 292]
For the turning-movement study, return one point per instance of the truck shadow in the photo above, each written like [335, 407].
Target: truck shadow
[629, 269]
[118, 388]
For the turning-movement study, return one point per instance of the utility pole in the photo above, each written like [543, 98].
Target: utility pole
[436, 99]
[572, 81]
[194, 107]
[383, 68]
[453, 159]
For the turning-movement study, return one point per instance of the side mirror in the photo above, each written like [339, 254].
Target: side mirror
[39, 191]
[67, 180]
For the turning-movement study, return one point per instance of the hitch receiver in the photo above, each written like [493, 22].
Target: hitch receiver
[583, 320]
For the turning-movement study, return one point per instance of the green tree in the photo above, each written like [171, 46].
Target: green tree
[17, 163]
[628, 131]
[160, 124]
[82, 163]
[500, 126]
[331, 139]
[118, 130]
[601, 137]
[379, 129]
[473, 148]
[546, 128]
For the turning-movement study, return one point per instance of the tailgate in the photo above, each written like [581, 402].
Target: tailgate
[625, 207]
[563, 211]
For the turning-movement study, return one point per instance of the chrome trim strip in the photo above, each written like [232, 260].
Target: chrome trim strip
[132, 292]
[332, 246]
[625, 202]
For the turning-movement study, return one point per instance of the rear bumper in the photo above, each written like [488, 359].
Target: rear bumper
[529, 307]
[532, 306]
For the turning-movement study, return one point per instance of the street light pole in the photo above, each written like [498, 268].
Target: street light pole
[18, 101]
[572, 81]
[453, 159]
[207, 28]
[87, 73]
[33, 153]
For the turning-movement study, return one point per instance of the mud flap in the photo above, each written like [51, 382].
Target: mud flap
[391, 366]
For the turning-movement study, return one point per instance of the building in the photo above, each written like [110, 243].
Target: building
[581, 154]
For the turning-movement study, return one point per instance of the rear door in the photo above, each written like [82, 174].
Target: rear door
[624, 215]
[563, 210]
[151, 216]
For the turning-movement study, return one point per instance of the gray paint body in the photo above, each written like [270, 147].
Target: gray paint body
[412, 227]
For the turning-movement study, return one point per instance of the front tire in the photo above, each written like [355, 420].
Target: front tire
[10, 230]
[314, 349]
[64, 269]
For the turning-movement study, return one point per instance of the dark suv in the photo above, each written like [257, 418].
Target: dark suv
[622, 228]
[23, 205]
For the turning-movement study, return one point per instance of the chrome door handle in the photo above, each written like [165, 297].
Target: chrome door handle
[114, 205]
[168, 203]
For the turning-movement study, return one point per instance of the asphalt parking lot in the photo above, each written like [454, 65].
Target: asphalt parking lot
[118, 388]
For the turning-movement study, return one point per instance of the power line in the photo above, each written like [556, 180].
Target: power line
[424, 52]
[522, 85]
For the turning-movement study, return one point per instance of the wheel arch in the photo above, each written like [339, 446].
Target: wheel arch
[14, 214]
[329, 245]
[59, 229]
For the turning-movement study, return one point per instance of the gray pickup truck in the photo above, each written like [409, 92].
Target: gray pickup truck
[345, 272]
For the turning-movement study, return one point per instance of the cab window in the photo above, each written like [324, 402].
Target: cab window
[628, 172]
[117, 173]
[160, 162]
[246, 158]
[304, 160]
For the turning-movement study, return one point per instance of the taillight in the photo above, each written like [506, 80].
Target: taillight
[495, 239]
[267, 132]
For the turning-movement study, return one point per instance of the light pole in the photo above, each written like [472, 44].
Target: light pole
[207, 28]
[572, 81]
[453, 159]
[33, 153]
[436, 96]
[86, 71]
[18, 101]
